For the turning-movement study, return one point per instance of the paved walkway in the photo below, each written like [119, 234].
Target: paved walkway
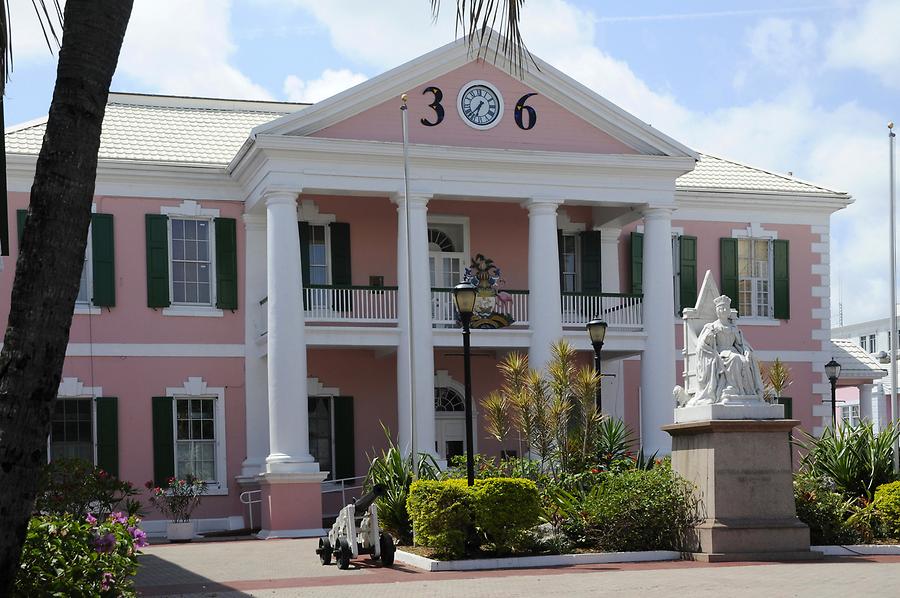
[291, 568]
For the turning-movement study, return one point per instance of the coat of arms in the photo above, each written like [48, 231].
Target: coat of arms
[492, 305]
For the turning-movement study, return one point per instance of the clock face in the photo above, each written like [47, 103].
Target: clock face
[480, 105]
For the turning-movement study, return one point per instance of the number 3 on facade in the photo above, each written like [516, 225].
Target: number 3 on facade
[521, 108]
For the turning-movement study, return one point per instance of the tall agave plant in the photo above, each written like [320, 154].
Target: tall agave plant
[855, 458]
[394, 470]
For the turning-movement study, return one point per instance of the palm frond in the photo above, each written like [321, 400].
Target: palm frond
[49, 14]
[496, 415]
[477, 20]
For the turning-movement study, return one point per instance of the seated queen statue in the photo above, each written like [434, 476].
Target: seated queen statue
[726, 370]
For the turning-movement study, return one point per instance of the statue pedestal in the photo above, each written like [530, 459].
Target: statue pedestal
[759, 410]
[743, 478]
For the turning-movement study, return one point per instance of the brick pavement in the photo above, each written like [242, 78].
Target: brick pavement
[282, 568]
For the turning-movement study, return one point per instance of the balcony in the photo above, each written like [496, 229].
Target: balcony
[377, 307]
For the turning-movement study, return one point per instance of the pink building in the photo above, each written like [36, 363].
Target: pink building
[210, 337]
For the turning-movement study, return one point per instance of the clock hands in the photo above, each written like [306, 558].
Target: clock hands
[477, 109]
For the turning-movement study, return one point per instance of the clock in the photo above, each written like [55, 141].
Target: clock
[480, 105]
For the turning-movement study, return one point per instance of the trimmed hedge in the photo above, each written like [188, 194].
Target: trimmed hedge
[452, 518]
[887, 503]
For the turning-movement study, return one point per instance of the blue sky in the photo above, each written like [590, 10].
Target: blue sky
[804, 86]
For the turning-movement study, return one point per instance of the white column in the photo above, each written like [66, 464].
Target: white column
[416, 346]
[879, 407]
[544, 300]
[609, 259]
[288, 417]
[866, 402]
[256, 402]
[658, 360]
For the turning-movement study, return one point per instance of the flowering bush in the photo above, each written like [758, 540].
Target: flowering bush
[178, 498]
[76, 486]
[76, 555]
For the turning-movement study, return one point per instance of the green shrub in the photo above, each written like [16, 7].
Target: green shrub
[76, 486]
[441, 514]
[504, 509]
[633, 510]
[856, 458]
[74, 555]
[824, 511]
[394, 472]
[887, 503]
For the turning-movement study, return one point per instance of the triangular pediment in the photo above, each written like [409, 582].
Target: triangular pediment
[570, 117]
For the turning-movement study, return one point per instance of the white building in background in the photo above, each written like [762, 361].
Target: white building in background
[864, 389]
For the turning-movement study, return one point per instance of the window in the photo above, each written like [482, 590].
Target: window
[863, 342]
[191, 262]
[754, 278]
[318, 255]
[84, 285]
[321, 433]
[871, 343]
[850, 415]
[72, 430]
[569, 263]
[195, 439]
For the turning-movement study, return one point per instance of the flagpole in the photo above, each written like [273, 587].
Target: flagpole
[409, 293]
[894, 335]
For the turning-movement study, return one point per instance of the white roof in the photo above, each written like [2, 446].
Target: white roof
[718, 174]
[209, 131]
[855, 361]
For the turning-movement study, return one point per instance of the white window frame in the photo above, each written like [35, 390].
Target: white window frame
[192, 210]
[314, 388]
[755, 231]
[72, 388]
[196, 388]
[577, 253]
[88, 307]
[328, 260]
[465, 256]
[443, 379]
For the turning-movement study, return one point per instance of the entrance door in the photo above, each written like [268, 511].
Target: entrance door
[449, 423]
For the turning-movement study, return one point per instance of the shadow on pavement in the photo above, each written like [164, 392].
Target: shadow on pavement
[159, 577]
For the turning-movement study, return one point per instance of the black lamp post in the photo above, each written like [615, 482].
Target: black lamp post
[833, 371]
[597, 331]
[464, 297]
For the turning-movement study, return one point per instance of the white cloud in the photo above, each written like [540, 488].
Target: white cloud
[183, 48]
[783, 45]
[869, 42]
[330, 83]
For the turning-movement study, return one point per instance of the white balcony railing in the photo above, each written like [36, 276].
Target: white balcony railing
[621, 312]
[378, 305]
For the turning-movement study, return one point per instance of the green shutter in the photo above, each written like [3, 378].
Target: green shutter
[728, 268]
[559, 255]
[590, 262]
[344, 449]
[226, 263]
[157, 260]
[20, 225]
[637, 263]
[103, 260]
[304, 256]
[108, 434]
[341, 274]
[781, 279]
[688, 277]
[163, 440]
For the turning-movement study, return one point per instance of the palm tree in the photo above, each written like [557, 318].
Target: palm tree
[45, 289]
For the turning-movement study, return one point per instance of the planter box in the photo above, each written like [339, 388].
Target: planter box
[180, 532]
[523, 562]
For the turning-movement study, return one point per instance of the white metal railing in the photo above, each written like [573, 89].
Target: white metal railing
[621, 312]
[443, 309]
[378, 305]
[330, 490]
[248, 499]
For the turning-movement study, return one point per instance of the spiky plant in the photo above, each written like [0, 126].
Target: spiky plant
[584, 387]
[777, 378]
[542, 432]
[496, 408]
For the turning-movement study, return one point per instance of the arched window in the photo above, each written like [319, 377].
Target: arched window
[438, 240]
[447, 400]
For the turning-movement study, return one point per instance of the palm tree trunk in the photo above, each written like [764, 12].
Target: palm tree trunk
[50, 259]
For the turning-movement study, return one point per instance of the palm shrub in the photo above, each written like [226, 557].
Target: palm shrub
[394, 471]
[855, 458]
[825, 511]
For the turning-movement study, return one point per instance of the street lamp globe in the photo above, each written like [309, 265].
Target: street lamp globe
[597, 331]
[833, 370]
[464, 297]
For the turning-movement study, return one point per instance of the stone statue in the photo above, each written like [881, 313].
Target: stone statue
[719, 365]
[727, 371]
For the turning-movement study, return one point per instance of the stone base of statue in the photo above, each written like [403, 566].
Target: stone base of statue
[741, 469]
[744, 410]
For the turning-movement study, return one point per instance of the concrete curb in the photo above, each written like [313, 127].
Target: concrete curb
[859, 549]
[550, 560]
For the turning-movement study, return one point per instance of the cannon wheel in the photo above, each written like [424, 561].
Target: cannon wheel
[387, 549]
[325, 551]
[343, 557]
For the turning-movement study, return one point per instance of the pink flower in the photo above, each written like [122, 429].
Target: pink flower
[139, 536]
[105, 543]
[119, 517]
[107, 581]
[91, 519]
